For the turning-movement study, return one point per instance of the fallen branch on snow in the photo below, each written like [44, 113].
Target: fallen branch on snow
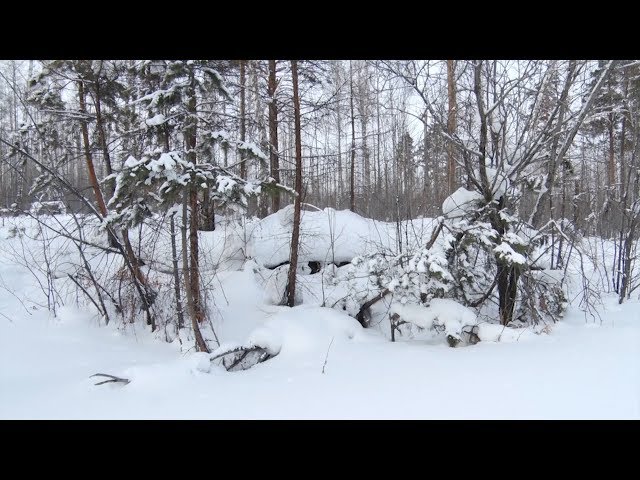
[112, 377]
[363, 309]
[242, 353]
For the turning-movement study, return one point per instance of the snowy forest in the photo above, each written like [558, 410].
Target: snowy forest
[320, 239]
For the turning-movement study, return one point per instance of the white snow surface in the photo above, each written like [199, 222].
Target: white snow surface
[451, 315]
[575, 369]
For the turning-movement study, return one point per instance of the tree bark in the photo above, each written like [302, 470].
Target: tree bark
[451, 126]
[243, 120]
[190, 138]
[352, 190]
[176, 274]
[145, 296]
[295, 236]
[273, 134]
[102, 138]
[93, 179]
[611, 170]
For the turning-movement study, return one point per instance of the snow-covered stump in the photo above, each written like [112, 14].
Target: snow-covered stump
[457, 322]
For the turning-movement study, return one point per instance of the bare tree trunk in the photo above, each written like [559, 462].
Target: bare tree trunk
[547, 194]
[102, 138]
[611, 170]
[623, 134]
[187, 272]
[352, 202]
[128, 249]
[273, 134]
[176, 274]
[194, 266]
[508, 274]
[363, 100]
[451, 126]
[295, 236]
[190, 138]
[97, 102]
[93, 179]
[243, 120]
[339, 180]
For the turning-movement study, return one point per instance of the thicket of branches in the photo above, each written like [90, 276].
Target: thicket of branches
[532, 160]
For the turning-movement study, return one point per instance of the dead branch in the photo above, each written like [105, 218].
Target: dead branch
[368, 304]
[112, 377]
[243, 353]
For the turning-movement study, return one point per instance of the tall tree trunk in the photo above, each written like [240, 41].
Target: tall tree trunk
[339, 185]
[451, 126]
[352, 189]
[140, 281]
[363, 89]
[611, 170]
[623, 134]
[201, 345]
[243, 119]
[194, 265]
[273, 134]
[102, 138]
[547, 195]
[93, 179]
[176, 272]
[295, 235]
[190, 138]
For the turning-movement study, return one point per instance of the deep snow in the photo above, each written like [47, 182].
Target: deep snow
[577, 369]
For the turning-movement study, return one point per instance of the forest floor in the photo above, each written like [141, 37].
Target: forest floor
[581, 369]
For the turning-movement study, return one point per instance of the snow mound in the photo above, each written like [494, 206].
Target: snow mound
[327, 235]
[461, 202]
[304, 330]
[199, 362]
[441, 311]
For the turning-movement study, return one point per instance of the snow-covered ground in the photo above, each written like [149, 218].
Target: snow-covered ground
[578, 370]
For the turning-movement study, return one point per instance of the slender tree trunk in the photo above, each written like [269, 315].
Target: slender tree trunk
[352, 189]
[559, 261]
[547, 195]
[508, 274]
[194, 265]
[611, 170]
[93, 179]
[426, 185]
[140, 280]
[339, 184]
[190, 141]
[623, 134]
[190, 137]
[273, 134]
[102, 138]
[201, 345]
[378, 149]
[243, 120]
[451, 126]
[176, 272]
[363, 89]
[295, 236]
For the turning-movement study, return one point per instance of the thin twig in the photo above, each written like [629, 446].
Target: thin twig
[327, 357]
